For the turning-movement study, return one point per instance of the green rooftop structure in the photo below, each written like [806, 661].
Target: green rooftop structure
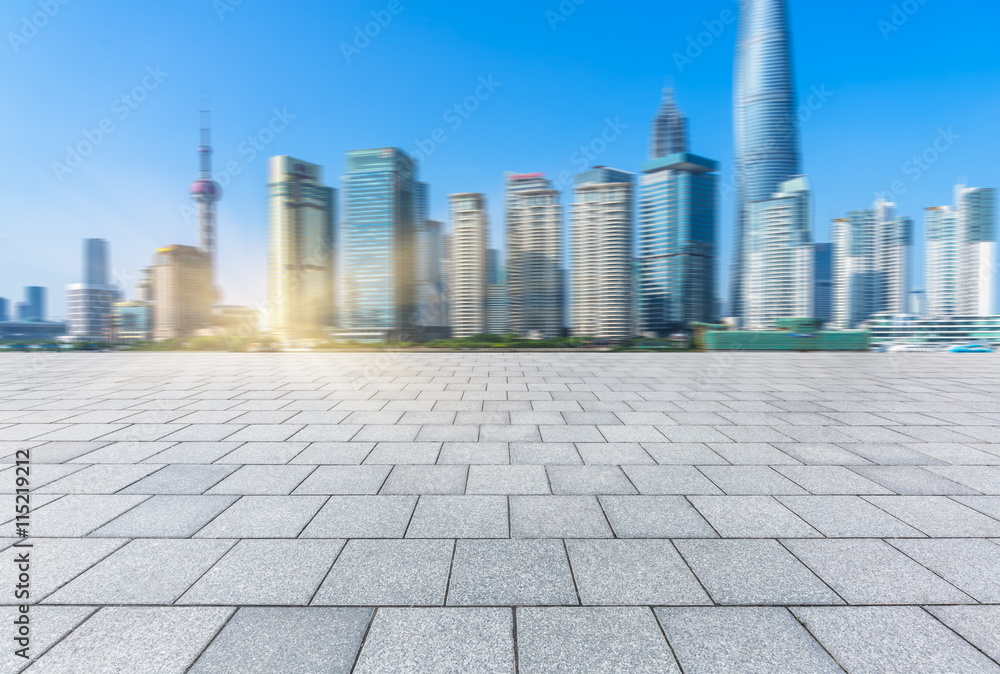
[791, 334]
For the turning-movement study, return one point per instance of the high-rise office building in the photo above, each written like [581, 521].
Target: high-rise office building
[470, 233]
[767, 138]
[89, 304]
[33, 306]
[823, 281]
[601, 255]
[380, 226]
[871, 259]
[678, 217]
[534, 261]
[182, 278]
[778, 276]
[670, 129]
[300, 250]
[4, 310]
[497, 303]
[961, 255]
[206, 193]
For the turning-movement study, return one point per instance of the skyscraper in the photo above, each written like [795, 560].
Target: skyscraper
[4, 310]
[380, 225]
[534, 239]
[767, 138]
[469, 236]
[778, 278]
[677, 242]
[300, 250]
[497, 301]
[206, 194]
[670, 129]
[182, 277]
[89, 303]
[871, 258]
[601, 255]
[823, 281]
[33, 307]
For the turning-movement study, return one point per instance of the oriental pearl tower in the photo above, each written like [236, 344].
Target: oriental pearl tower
[206, 194]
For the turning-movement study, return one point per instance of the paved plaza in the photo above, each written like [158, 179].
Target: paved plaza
[504, 512]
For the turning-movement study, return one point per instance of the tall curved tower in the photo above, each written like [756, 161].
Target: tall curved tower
[767, 135]
[206, 194]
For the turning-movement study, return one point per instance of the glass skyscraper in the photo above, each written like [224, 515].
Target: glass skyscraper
[382, 217]
[767, 137]
[823, 281]
[89, 303]
[300, 250]
[670, 129]
[677, 243]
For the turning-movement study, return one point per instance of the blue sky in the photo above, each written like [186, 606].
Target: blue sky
[556, 85]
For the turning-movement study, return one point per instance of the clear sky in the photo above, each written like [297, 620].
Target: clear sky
[557, 80]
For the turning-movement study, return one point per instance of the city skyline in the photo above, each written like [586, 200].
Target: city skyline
[104, 192]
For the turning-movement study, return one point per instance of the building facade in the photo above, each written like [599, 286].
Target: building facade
[678, 219]
[534, 261]
[779, 279]
[182, 285]
[823, 281]
[766, 125]
[132, 321]
[301, 245]
[89, 304]
[601, 243]
[871, 265]
[670, 129]
[470, 233]
[33, 307]
[381, 216]
[497, 304]
[962, 256]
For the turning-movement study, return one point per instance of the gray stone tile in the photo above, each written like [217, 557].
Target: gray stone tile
[57, 452]
[571, 434]
[752, 454]
[465, 453]
[344, 480]
[203, 433]
[957, 454]
[266, 572]
[329, 433]
[386, 433]
[979, 625]
[439, 433]
[519, 433]
[831, 480]
[561, 453]
[614, 453]
[167, 516]
[257, 640]
[433, 640]
[388, 573]
[426, 480]
[362, 517]
[557, 517]
[263, 480]
[743, 641]
[752, 517]
[594, 640]
[194, 452]
[847, 517]
[988, 505]
[873, 572]
[56, 561]
[912, 480]
[264, 517]
[687, 434]
[264, 453]
[460, 517]
[751, 480]
[521, 479]
[185, 478]
[972, 565]
[124, 452]
[633, 572]
[336, 453]
[48, 625]
[655, 517]
[821, 454]
[136, 639]
[510, 573]
[983, 479]
[78, 515]
[889, 454]
[938, 516]
[755, 572]
[143, 572]
[99, 479]
[589, 480]
[390, 453]
[264, 433]
[683, 454]
[891, 640]
[631, 434]
[666, 480]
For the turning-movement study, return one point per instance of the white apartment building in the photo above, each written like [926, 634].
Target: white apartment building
[467, 265]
